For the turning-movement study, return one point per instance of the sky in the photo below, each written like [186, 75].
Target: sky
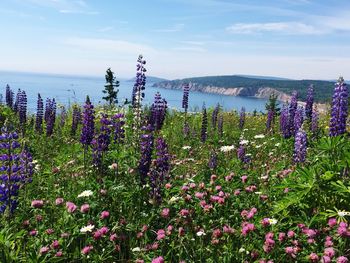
[299, 39]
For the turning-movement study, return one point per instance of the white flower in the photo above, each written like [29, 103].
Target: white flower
[259, 136]
[136, 249]
[243, 142]
[87, 228]
[248, 154]
[258, 146]
[86, 193]
[241, 250]
[200, 233]
[272, 221]
[343, 213]
[277, 144]
[174, 199]
[227, 148]
[258, 193]
[186, 147]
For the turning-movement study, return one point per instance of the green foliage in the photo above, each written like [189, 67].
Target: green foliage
[111, 84]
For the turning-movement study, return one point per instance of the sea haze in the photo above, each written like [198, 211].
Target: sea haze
[73, 89]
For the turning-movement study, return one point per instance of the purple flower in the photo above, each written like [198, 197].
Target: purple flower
[158, 112]
[214, 116]
[101, 142]
[242, 118]
[339, 112]
[300, 147]
[186, 90]
[270, 119]
[39, 115]
[118, 126]
[139, 86]
[213, 161]
[309, 102]
[314, 122]
[292, 110]
[9, 97]
[204, 124]
[298, 118]
[87, 133]
[284, 122]
[22, 108]
[50, 116]
[76, 119]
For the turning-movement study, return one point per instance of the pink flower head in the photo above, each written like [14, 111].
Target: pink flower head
[104, 230]
[37, 203]
[313, 257]
[184, 212]
[104, 214]
[290, 234]
[332, 222]
[71, 207]
[199, 195]
[342, 259]
[55, 244]
[160, 234]
[329, 252]
[244, 179]
[86, 250]
[181, 231]
[237, 192]
[59, 201]
[33, 232]
[217, 233]
[44, 250]
[265, 222]
[59, 254]
[228, 229]
[113, 237]
[326, 259]
[85, 208]
[167, 186]
[165, 213]
[158, 260]
[281, 236]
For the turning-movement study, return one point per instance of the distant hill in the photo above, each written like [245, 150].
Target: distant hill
[150, 79]
[260, 87]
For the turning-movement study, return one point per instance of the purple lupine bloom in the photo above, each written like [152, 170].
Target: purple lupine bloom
[50, 116]
[160, 173]
[139, 86]
[242, 118]
[76, 119]
[221, 125]
[213, 160]
[214, 116]
[241, 154]
[300, 147]
[309, 102]
[63, 116]
[101, 142]
[158, 112]
[292, 109]
[22, 108]
[337, 125]
[314, 122]
[9, 97]
[186, 91]
[118, 123]
[298, 118]
[39, 115]
[14, 173]
[87, 133]
[284, 122]
[146, 147]
[18, 95]
[270, 119]
[204, 124]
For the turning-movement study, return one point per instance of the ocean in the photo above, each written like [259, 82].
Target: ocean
[73, 89]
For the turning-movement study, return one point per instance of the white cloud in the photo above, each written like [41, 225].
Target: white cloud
[288, 28]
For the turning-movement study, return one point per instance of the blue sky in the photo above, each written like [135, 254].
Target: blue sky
[178, 38]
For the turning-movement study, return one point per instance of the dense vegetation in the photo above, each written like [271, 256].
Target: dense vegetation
[130, 184]
[323, 89]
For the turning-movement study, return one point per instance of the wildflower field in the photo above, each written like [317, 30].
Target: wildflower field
[111, 183]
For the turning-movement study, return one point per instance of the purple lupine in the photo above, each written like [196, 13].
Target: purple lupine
[146, 147]
[14, 175]
[118, 123]
[221, 125]
[76, 119]
[101, 142]
[314, 122]
[140, 82]
[63, 116]
[160, 172]
[213, 160]
[204, 124]
[270, 120]
[298, 118]
[18, 95]
[284, 122]
[158, 112]
[300, 147]
[50, 116]
[337, 125]
[87, 132]
[22, 109]
[242, 118]
[39, 115]
[9, 97]
[309, 102]
[214, 116]
[241, 154]
[292, 109]
[186, 91]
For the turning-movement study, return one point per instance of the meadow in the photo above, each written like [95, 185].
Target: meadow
[146, 184]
